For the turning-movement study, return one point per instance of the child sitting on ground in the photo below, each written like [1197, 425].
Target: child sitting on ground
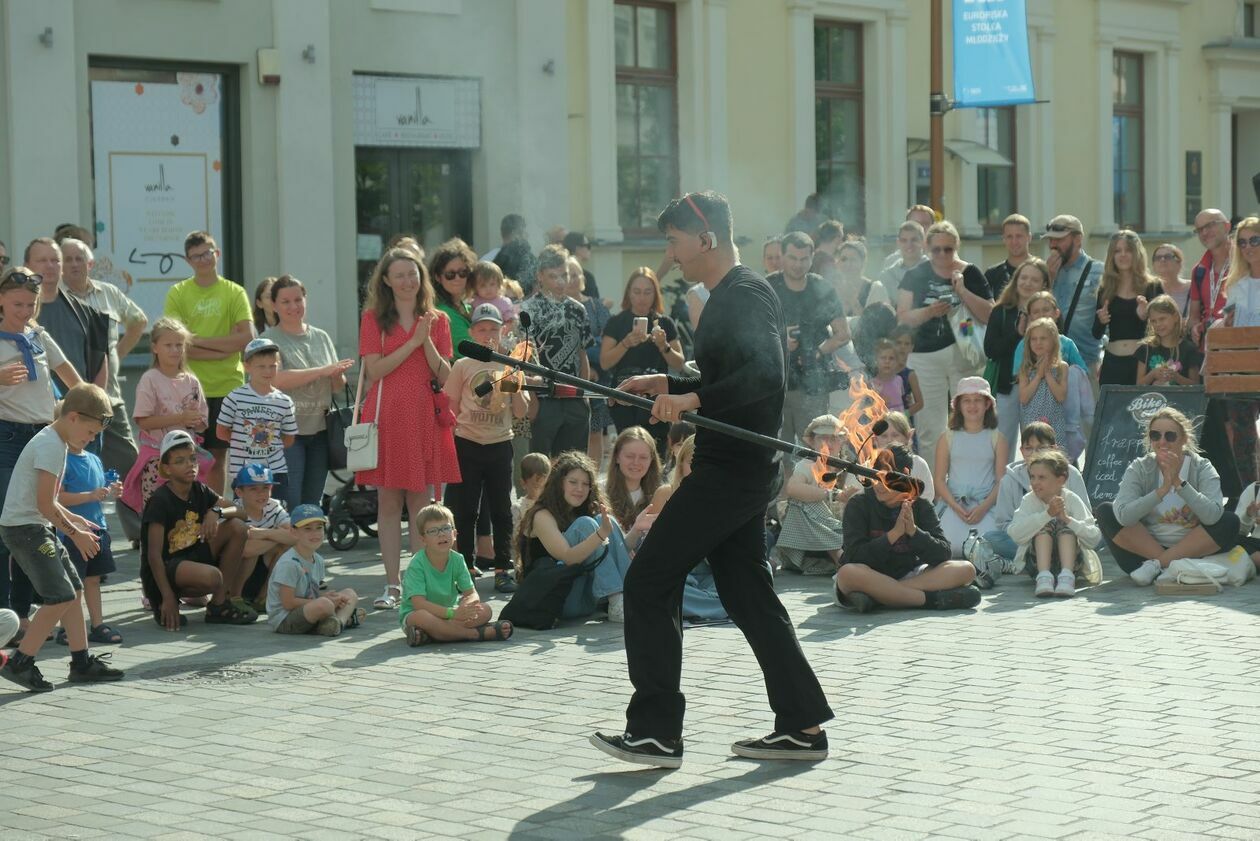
[31, 518]
[439, 602]
[811, 521]
[535, 468]
[267, 532]
[258, 420]
[190, 545]
[900, 431]
[83, 490]
[1055, 522]
[294, 603]
[1248, 510]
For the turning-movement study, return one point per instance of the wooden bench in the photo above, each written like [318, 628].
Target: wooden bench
[1232, 363]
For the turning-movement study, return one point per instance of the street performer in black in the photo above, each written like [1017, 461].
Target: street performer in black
[718, 512]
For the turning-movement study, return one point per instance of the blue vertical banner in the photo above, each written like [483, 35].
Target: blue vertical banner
[991, 62]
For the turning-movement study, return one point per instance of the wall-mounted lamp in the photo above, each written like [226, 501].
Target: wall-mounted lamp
[46, 37]
[308, 54]
[549, 67]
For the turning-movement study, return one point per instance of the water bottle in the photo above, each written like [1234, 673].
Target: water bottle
[111, 476]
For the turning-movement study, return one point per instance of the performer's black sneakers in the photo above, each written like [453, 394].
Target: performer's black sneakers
[661, 753]
[803, 746]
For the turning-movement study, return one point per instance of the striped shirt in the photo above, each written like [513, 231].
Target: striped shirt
[257, 422]
[273, 516]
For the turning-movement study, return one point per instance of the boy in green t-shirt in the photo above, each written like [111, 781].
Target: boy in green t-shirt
[217, 313]
[439, 602]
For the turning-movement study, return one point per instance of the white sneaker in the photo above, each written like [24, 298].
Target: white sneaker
[616, 608]
[1066, 588]
[1145, 575]
[1045, 584]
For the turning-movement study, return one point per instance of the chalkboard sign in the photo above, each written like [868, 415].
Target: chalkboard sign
[1120, 426]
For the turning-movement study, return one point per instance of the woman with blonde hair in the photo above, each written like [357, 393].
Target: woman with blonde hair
[1242, 309]
[405, 344]
[1005, 331]
[1126, 289]
[1169, 505]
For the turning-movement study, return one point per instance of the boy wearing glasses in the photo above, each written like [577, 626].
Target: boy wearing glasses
[294, 603]
[439, 602]
[217, 313]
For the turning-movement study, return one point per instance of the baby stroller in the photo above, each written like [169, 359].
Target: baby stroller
[351, 508]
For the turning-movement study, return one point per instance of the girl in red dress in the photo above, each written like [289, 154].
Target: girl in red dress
[405, 344]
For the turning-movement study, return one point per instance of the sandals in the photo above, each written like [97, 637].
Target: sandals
[102, 634]
[501, 630]
[356, 618]
[417, 636]
[229, 614]
[389, 599]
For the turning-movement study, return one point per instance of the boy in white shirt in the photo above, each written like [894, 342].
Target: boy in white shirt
[257, 420]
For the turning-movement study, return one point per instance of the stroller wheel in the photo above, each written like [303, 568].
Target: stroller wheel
[368, 527]
[342, 534]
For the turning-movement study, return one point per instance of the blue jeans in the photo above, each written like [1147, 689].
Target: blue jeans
[700, 596]
[604, 579]
[307, 460]
[1001, 543]
[13, 439]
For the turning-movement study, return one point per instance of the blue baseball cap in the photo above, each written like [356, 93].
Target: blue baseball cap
[253, 474]
[305, 514]
[258, 346]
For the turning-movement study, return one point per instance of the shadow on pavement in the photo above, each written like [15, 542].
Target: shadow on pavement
[602, 811]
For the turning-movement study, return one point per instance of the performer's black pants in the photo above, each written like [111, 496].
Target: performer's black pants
[709, 516]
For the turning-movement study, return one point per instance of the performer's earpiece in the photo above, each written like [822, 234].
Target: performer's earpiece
[707, 238]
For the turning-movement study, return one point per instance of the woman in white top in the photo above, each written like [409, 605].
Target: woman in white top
[1242, 309]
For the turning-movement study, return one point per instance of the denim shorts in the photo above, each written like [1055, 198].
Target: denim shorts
[40, 555]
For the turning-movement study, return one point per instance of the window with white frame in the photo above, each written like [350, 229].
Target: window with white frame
[996, 184]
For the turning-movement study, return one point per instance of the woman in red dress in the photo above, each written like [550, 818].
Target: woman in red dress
[405, 344]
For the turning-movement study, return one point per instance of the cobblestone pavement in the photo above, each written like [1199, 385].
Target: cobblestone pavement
[1118, 714]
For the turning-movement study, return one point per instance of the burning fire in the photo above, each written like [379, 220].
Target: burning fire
[856, 421]
[824, 474]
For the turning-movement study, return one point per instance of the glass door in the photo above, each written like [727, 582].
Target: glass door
[424, 193]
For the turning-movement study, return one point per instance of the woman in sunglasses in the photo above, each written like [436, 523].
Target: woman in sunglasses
[931, 293]
[27, 355]
[895, 553]
[450, 267]
[1169, 505]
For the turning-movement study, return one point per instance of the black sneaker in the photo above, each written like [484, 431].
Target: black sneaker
[95, 671]
[801, 746]
[503, 583]
[29, 678]
[661, 753]
[956, 598]
[855, 602]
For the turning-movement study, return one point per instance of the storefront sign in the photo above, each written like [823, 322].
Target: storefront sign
[991, 62]
[158, 171]
[417, 112]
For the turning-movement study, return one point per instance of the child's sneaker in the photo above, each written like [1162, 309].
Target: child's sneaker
[329, 627]
[503, 583]
[30, 678]
[95, 671]
[1066, 587]
[1145, 575]
[616, 608]
[229, 614]
[1045, 584]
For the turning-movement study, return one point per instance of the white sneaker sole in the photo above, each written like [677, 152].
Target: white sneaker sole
[635, 758]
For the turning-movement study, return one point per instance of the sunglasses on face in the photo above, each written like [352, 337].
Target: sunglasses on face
[1165, 257]
[451, 275]
[438, 531]
[1169, 436]
[23, 280]
[1249, 242]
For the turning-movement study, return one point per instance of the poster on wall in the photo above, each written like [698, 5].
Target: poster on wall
[158, 165]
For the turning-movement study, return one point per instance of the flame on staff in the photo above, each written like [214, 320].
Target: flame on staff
[867, 408]
[824, 474]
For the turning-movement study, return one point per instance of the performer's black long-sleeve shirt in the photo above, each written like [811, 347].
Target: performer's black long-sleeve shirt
[740, 348]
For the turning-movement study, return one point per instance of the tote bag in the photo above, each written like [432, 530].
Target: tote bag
[337, 420]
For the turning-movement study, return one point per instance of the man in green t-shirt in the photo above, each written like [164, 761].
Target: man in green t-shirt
[216, 311]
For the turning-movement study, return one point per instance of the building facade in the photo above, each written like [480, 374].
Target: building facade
[304, 133]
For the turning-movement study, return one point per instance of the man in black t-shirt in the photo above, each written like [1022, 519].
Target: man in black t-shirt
[816, 329]
[1016, 234]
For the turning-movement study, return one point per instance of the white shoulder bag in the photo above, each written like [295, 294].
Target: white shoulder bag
[361, 440]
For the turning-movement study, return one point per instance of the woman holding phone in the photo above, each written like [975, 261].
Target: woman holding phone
[640, 339]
